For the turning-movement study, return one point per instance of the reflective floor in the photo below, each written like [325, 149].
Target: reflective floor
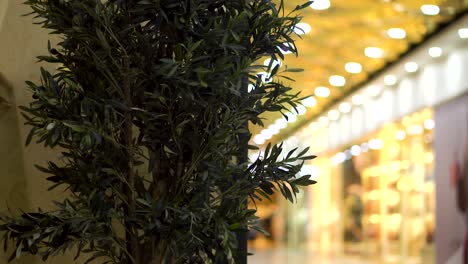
[286, 256]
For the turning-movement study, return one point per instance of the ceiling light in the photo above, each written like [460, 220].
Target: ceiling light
[390, 79]
[463, 33]
[435, 52]
[374, 52]
[281, 123]
[401, 135]
[301, 110]
[309, 101]
[396, 33]
[339, 158]
[274, 129]
[322, 91]
[355, 150]
[266, 133]
[273, 65]
[364, 147]
[250, 88]
[430, 10]
[302, 28]
[265, 77]
[344, 108]
[429, 124]
[373, 90]
[333, 115]
[291, 117]
[357, 99]
[288, 46]
[258, 139]
[337, 80]
[411, 66]
[353, 67]
[320, 4]
[323, 120]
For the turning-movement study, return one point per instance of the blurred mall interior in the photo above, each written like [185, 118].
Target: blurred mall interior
[387, 117]
[388, 120]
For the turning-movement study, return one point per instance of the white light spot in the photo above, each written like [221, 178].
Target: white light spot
[309, 101]
[355, 150]
[396, 33]
[302, 28]
[344, 107]
[429, 124]
[390, 79]
[337, 80]
[374, 52]
[435, 52]
[411, 66]
[322, 91]
[320, 4]
[353, 67]
[430, 10]
[463, 33]
[401, 135]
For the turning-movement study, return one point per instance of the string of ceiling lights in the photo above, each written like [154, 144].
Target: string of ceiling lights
[351, 67]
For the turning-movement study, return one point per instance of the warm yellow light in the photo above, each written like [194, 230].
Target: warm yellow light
[374, 219]
[353, 67]
[415, 129]
[322, 91]
[392, 198]
[374, 195]
[429, 158]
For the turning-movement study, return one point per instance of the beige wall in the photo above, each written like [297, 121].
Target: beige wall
[21, 186]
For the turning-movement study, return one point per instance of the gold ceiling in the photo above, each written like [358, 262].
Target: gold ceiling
[341, 33]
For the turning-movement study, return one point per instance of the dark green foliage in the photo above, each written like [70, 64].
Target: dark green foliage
[149, 108]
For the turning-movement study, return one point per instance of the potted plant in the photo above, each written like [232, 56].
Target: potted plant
[149, 108]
